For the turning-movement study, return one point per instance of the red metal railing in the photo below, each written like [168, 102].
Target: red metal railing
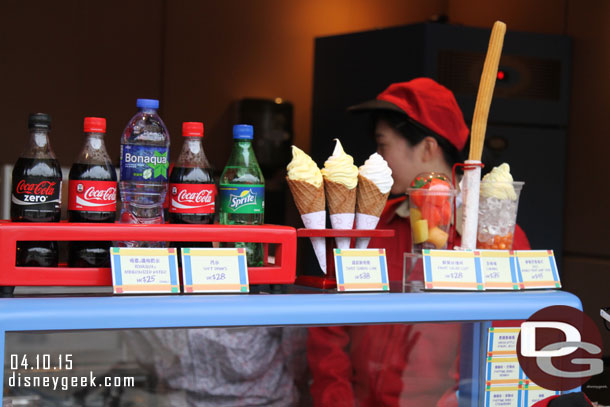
[282, 271]
[328, 281]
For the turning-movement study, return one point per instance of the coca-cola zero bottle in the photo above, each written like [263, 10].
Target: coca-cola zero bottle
[36, 192]
[191, 183]
[92, 195]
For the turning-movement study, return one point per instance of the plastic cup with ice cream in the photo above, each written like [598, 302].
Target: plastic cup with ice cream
[498, 204]
[431, 197]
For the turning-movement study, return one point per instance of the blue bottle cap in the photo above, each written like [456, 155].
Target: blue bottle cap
[243, 132]
[147, 103]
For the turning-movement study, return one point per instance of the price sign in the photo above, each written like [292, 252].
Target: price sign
[503, 396]
[537, 269]
[499, 269]
[503, 370]
[361, 270]
[533, 394]
[214, 270]
[144, 270]
[452, 270]
[502, 341]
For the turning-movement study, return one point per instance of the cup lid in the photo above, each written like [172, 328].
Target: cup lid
[436, 182]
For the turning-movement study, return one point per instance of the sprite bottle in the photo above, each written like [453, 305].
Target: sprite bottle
[242, 191]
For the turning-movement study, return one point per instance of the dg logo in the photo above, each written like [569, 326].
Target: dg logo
[560, 348]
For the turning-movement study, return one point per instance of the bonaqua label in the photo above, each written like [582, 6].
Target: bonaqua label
[148, 163]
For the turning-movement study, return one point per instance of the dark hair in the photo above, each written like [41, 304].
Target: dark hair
[415, 133]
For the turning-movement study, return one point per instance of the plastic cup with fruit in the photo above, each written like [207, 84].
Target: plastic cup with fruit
[431, 207]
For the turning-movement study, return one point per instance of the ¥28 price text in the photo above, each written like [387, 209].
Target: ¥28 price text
[217, 277]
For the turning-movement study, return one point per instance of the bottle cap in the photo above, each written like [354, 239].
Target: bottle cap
[192, 129]
[147, 104]
[95, 125]
[39, 121]
[243, 132]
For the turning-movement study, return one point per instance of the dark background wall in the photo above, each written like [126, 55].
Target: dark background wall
[73, 58]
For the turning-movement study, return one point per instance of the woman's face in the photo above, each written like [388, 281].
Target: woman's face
[403, 159]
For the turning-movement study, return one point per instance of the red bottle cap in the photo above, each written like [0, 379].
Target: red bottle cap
[192, 129]
[95, 125]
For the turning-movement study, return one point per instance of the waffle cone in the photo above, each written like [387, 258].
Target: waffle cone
[340, 198]
[369, 199]
[307, 197]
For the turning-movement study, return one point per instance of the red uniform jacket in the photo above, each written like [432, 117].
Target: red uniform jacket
[388, 365]
[545, 402]
[567, 400]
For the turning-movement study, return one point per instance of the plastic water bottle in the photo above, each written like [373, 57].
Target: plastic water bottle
[242, 190]
[144, 167]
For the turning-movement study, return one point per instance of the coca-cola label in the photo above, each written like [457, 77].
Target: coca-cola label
[94, 196]
[36, 191]
[192, 198]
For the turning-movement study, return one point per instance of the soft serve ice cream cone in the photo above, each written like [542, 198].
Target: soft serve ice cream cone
[340, 181]
[305, 182]
[374, 184]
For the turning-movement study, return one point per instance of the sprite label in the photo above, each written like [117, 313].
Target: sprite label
[242, 199]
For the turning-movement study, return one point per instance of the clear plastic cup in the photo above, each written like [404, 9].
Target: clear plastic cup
[412, 269]
[498, 204]
[431, 212]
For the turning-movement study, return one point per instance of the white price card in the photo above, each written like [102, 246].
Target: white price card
[361, 270]
[214, 270]
[144, 270]
[503, 370]
[537, 269]
[499, 269]
[452, 270]
[502, 341]
[504, 396]
[533, 394]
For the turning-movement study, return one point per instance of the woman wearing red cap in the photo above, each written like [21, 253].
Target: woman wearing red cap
[419, 127]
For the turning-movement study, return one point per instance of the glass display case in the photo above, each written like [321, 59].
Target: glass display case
[257, 349]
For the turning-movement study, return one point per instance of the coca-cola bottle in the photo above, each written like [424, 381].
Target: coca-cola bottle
[36, 192]
[92, 195]
[191, 183]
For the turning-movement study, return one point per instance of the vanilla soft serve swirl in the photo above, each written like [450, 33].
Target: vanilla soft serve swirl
[377, 170]
[340, 168]
[498, 184]
[303, 168]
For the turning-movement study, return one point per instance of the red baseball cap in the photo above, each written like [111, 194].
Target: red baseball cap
[427, 103]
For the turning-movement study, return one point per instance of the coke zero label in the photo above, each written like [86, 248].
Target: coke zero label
[192, 198]
[99, 196]
[30, 191]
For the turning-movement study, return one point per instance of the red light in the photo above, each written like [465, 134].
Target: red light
[500, 75]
